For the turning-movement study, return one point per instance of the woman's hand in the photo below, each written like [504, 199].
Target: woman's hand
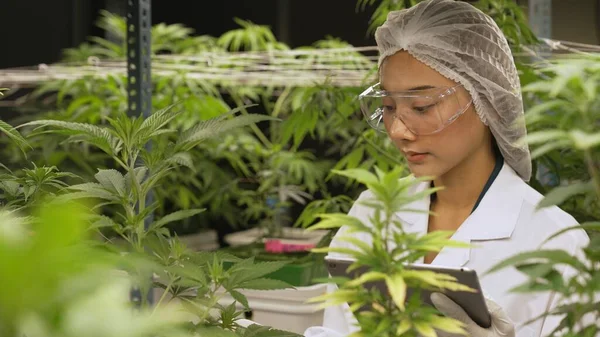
[502, 326]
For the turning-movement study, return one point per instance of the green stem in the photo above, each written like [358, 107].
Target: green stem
[388, 225]
[121, 163]
[279, 106]
[593, 169]
[162, 297]
[261, 136]
[214, 300]
[141, 202]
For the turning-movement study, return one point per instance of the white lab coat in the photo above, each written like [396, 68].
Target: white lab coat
[504, 224]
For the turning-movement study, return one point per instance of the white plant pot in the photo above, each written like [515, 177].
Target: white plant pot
[290, 235]
[284, 309]
[204, 240]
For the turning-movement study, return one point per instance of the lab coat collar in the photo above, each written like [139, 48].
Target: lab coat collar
[495, 218]
[497, 214]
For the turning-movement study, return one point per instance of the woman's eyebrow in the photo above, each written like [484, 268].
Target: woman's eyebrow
[421, 87]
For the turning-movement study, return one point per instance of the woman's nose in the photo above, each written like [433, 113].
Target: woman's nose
[398, 130]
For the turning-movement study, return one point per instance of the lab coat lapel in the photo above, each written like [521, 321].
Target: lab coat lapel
[494, 219]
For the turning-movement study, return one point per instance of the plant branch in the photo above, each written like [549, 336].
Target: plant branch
[121, 163]
[214, 300]
[593, 169]
[255, 128]
[162, 297]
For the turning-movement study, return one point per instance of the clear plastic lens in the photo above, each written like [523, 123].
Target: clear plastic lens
[421, 112]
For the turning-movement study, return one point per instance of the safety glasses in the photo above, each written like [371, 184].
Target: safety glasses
[423, 112]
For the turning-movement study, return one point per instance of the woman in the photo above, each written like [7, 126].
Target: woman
[449, 98]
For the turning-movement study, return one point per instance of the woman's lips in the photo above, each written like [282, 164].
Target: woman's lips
[416, 157]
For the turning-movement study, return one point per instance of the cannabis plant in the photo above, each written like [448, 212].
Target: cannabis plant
[385, 257]
[282, 178]
[165, 38]
[50, 253]
[566, 123]
[145, 153]
[55, 283]
[250, 37]
[14, 135]
[141, 169]
[85, 100]
[174, 39]
[93, 100]
[199, 281]
[27, 187]
[563, 118]
[322, 113]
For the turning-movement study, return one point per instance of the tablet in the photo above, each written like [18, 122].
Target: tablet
[472, 302]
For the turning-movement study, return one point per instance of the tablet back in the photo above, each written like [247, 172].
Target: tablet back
[472, 302]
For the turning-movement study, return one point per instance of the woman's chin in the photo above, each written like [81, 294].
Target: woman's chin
[420, 171]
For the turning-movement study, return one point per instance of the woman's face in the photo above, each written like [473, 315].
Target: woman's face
[438, 153]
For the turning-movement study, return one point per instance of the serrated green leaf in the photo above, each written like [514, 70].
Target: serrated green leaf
[88, 195]
[397, 289]
[425, 329]
[240, 298]
[545, 136]
[551, 256]
[88, 129]
[14, 135]
[140, 173]
[175, 216]
[544, 107]
[102, 221]
[447, 324]
[367, 277]
[337, 220]
[583, 140]
[10, 187]
[183, 159]
[217, 126]
[403, 327]
[111, 180]
[362, 245]
[534, 270]
[361, 175]
[544, 149]
[157, 120]
[560, 194]
[90, 190]
[591, 226]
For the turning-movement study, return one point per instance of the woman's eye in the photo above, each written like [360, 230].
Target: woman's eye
[388, 108]
[422, 109]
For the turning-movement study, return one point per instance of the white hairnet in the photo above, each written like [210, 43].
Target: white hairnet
[465, 45]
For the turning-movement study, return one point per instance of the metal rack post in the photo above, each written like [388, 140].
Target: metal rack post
[138, 57]
[139, 81]
[540, 17]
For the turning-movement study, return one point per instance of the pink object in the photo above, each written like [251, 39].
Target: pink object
[277, 246]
